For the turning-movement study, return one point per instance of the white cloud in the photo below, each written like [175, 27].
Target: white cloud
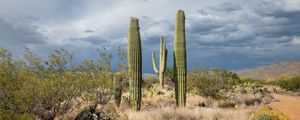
[296, 40]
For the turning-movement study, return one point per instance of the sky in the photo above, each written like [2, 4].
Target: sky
[225, 34]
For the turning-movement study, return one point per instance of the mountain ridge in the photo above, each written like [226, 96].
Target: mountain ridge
[272, 71]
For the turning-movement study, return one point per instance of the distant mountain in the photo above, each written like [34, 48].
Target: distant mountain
[272, 71]
[149, 75]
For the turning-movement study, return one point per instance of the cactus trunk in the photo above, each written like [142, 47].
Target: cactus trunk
[162, 62]
[135, 64]
[180, 62]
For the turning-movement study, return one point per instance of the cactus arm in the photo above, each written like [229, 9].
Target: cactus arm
[154, 63]
[164, 60]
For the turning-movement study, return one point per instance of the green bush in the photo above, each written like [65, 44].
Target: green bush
[210, 83]
[169, 72]
[292, 83]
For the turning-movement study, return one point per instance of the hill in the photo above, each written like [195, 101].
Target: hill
[272, 71]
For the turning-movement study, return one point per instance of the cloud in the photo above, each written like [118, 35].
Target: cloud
[89, 41]
[89, 31]
[152, 29]
[296, 41]
[244, 34]
[227, 34]
[243, 27]
[19, 34]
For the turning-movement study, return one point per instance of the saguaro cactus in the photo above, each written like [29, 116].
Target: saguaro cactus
[135, 64]
[180, 64]
[162, 62]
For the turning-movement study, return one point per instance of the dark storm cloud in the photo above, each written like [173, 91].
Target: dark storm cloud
[19, 33]
[228, 34]
[93, 40]
[217, 28]
[234, 36]
[226, 7]
[152, 30]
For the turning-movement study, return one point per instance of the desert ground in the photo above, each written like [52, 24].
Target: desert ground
[288, 105]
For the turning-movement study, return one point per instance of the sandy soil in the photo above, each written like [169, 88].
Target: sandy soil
[289, 105]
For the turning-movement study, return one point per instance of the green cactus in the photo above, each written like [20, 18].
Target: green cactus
[180, 62]
[118, 88]
[162, 62]
[135, 64]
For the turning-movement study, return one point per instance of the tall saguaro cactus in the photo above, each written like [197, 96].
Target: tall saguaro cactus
[162, 62]
[180, 62]
[135, 64]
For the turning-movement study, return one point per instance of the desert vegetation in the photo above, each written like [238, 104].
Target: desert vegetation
[55, 88]
[48, 88]
[288, 83]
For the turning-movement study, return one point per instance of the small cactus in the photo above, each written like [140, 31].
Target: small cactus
[180, 62]
[118, 88]
[162, 62]
[135, 64]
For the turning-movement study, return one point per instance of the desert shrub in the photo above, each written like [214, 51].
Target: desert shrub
[169, 72]
[210, 83]
[266, 117]
[111, 111]
[257, 81]
[46, 88]
[150, 86]
[292, 83]
[268, 114]
[256, 87]
[10, 115]
[226, 104]
[108, 112]
[252, 101]
[149, 82]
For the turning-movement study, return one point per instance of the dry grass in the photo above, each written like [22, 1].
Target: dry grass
[169, 113]
[162, 107]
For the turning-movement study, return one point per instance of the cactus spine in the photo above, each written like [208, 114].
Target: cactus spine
[162, 62]
[180, 64]
[135, 64]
